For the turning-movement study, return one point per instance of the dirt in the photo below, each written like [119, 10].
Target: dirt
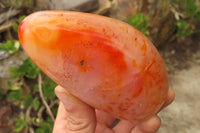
[183, 64]
[180, 54]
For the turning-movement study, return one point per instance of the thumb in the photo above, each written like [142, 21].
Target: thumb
[74, 116]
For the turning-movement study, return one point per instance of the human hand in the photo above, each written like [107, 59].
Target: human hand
[75, 116]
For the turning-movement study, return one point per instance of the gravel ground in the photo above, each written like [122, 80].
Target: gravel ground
[182, 116]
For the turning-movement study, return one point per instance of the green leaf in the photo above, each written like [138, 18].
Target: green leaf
[15, 27]
[20, 123]
[197, 15]
[188, 1]
[179, 1]
[21, 18]
[14, 87]
[36, 104]
[37, 120]
[40, 130]
[55, 111]
[5, 2]
[28, 100]
[48, 90]
[29, 68]
[12, 46]
[46, 127]
[1, 93]
[36, 88]
[22, 104]
[188, 32]
[183, 28]
[191, 9]
[48, 87]
[181, 24]
[140, 22]
[16, 24]
[15, 73]
[175, 0]
[184, 1]
[9, 45]
[13, 96]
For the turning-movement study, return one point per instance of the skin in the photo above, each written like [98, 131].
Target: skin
[75, 116]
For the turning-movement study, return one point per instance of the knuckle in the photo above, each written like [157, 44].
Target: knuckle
[77, 124]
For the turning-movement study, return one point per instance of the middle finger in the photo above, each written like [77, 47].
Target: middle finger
[104, 118]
